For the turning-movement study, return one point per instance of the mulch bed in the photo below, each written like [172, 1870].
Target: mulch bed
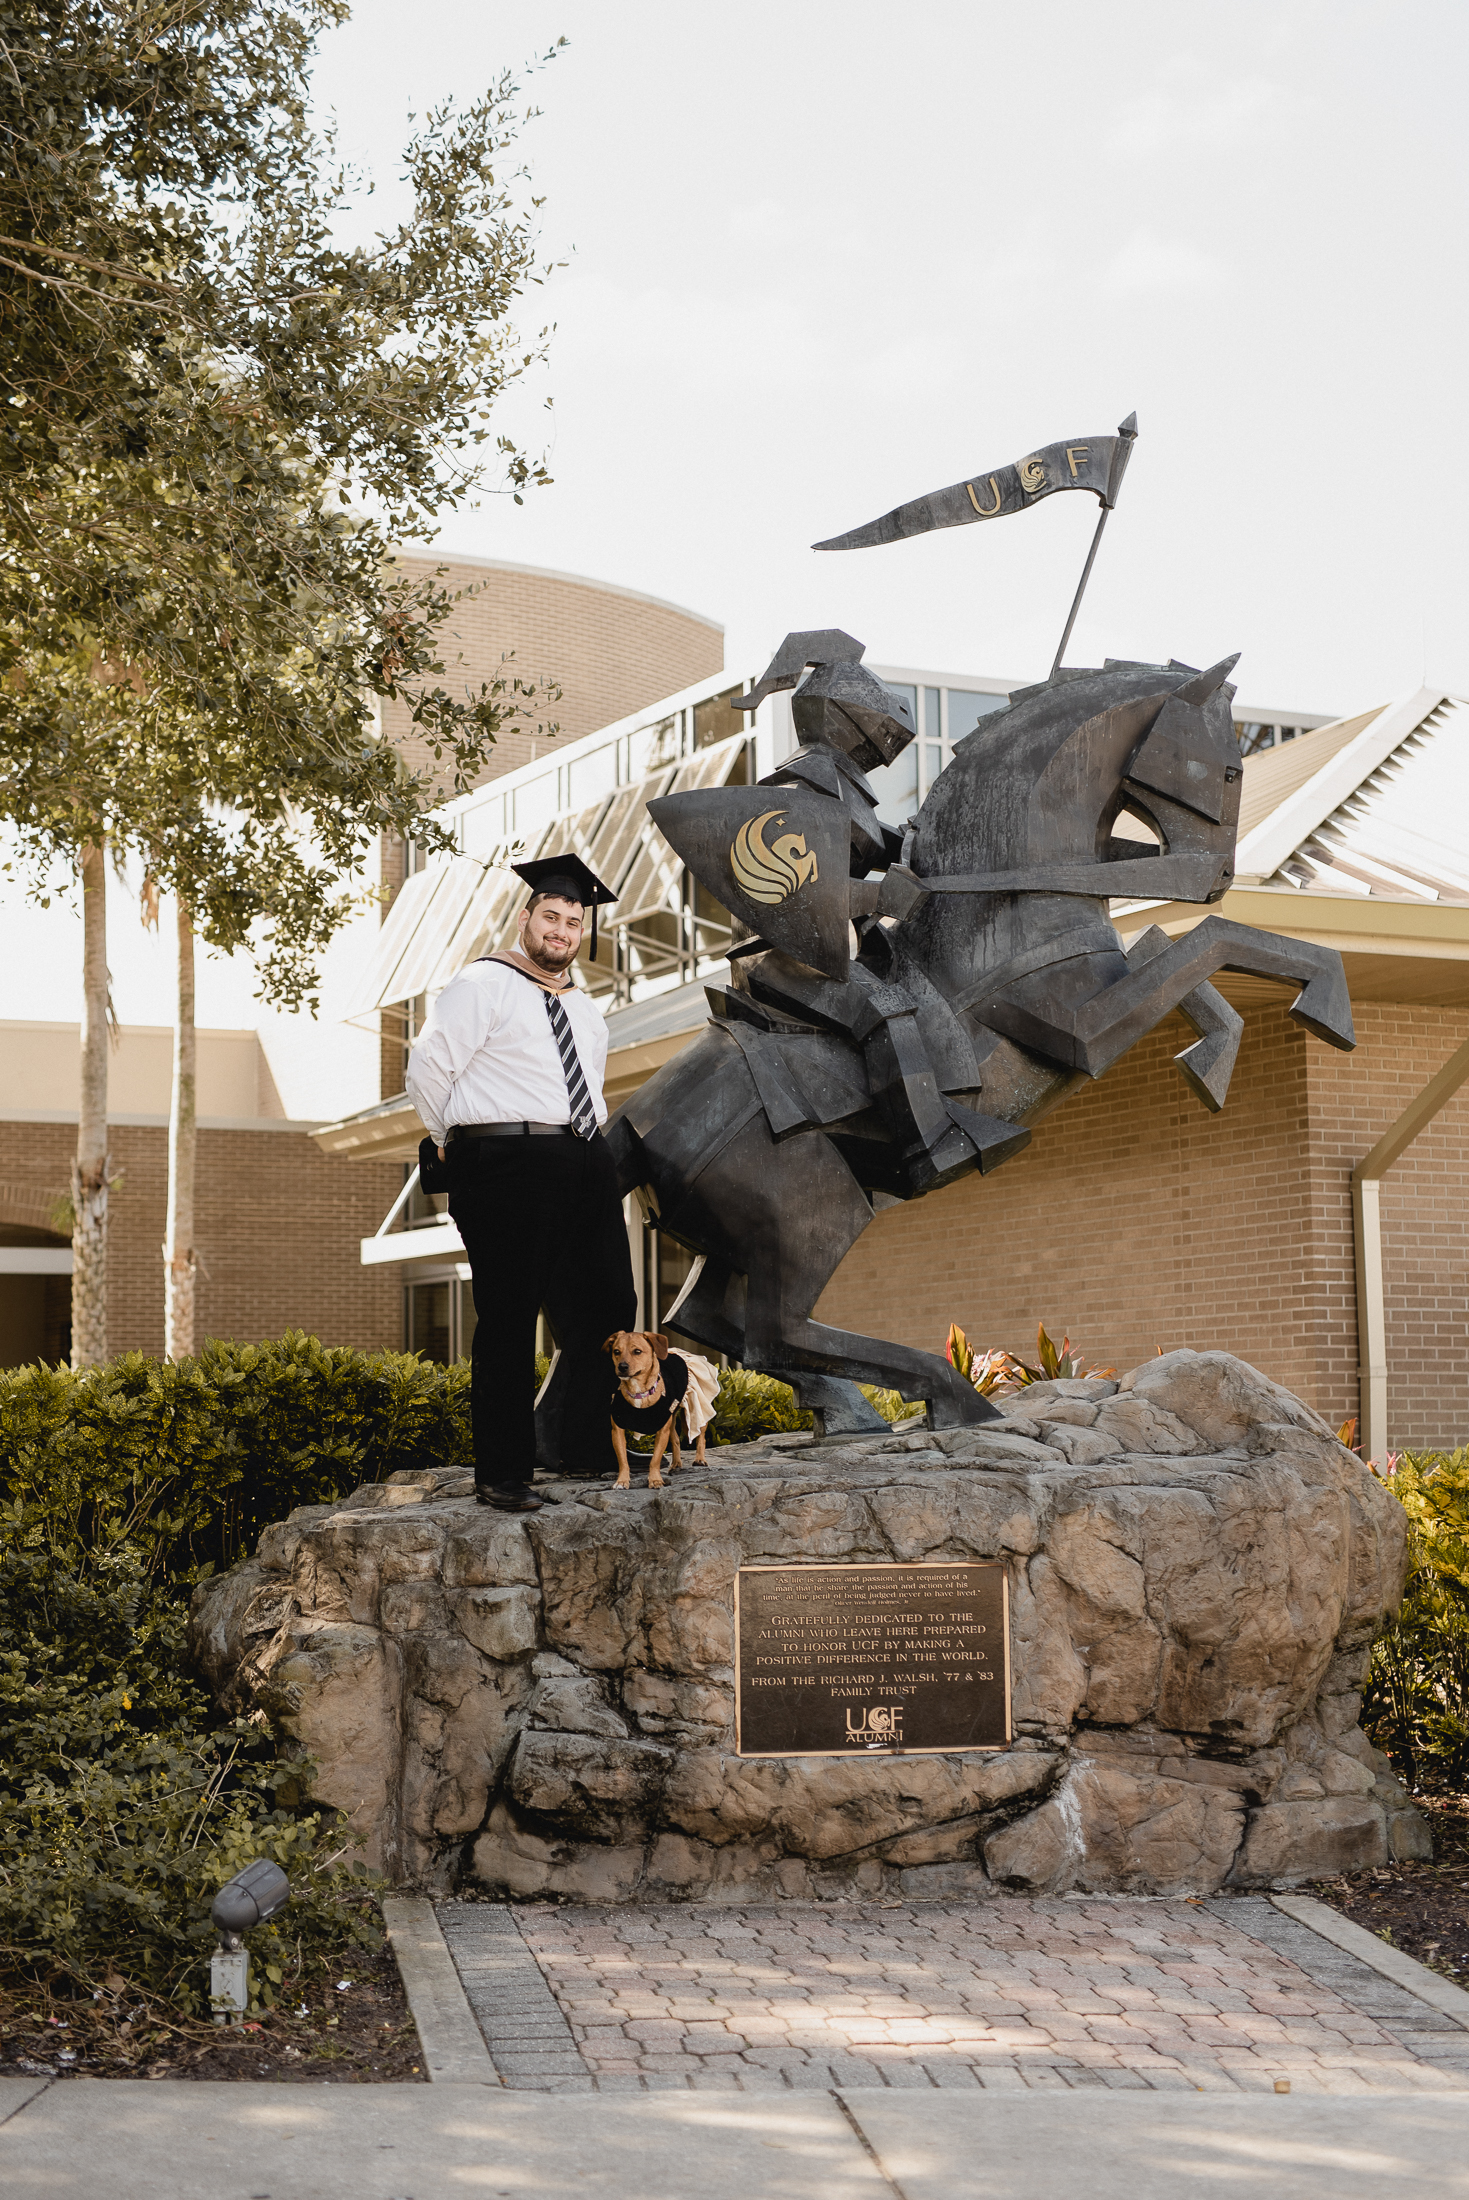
[356, 2030]
[1421, 1908]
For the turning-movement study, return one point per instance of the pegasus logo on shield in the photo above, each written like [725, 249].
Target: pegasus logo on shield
[770, 871]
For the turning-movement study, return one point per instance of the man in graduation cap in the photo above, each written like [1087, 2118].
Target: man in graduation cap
[507, 1078]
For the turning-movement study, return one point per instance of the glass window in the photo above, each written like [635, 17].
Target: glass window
[430, 1318]
[535, 805]
[932, 722]
[651, 747]
[439, 1319]
[966, 709]
[591, 777]
[715, 721]
[896, 787]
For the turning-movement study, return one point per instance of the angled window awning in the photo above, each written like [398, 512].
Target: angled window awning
[459, 908]
[1381, 818]
[654, 872]
[392, 948]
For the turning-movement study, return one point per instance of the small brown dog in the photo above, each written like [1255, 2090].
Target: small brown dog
[652, 1384]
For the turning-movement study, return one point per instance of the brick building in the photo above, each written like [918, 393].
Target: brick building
[1135, 1219]
[610, 650]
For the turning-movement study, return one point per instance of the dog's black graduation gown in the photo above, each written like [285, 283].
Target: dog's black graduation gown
[647, 1420]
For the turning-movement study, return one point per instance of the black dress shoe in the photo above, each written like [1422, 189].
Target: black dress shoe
[508, 1501]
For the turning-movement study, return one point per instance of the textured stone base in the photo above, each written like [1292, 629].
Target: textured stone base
[544, 1706]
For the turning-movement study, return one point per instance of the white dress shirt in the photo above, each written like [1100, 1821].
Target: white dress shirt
[487, 1053]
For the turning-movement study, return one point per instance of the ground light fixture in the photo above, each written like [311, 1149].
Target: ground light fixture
[254, 1896]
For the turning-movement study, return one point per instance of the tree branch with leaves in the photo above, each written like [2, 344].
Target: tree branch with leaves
[215, 420]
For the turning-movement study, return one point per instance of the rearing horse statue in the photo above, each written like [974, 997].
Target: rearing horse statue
[904, 1008]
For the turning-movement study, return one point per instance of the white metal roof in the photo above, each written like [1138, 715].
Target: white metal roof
[1385, 814]
[460, 907]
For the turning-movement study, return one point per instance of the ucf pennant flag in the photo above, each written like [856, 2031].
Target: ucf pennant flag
[776, 857]
[1095, 462]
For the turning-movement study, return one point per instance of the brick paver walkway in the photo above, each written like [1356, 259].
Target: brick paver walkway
[1170, 1995]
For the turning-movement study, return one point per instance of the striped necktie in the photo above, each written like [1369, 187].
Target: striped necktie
[583, 1114]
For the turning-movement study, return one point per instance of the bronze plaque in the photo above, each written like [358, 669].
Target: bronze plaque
[832, 1660]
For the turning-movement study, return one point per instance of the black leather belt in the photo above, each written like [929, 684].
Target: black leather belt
[508, 1130]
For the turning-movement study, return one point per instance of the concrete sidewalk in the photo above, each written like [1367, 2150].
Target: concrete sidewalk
[172, 2140]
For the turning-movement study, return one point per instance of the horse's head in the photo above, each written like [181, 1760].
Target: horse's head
[1189, 761]
[839, 704]
[1038, 798]
[1040, 787]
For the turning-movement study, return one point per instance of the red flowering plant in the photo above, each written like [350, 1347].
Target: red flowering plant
[996, 1371]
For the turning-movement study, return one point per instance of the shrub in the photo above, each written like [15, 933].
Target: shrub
[124, 1800]
[124, 1803]
[751, 1405]
[997, 1370]
[1417, 1698]
[189, 1461]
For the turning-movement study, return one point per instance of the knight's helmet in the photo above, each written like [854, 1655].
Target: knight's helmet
[840, 704]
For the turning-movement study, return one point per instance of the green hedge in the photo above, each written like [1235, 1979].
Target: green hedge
[1416, 1704]
[190, 1461]
[124, 1800]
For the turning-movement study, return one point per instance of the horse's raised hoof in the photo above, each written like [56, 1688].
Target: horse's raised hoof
[1208, 1064]
[994, 1141]
[1325, 1008]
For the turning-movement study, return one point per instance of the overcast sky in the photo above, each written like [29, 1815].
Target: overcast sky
[826, 255]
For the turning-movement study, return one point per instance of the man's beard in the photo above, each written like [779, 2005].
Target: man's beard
[546, 960]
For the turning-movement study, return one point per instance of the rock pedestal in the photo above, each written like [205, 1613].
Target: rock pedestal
[545, 1706]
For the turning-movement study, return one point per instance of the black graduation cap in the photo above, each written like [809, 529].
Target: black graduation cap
[569, 877]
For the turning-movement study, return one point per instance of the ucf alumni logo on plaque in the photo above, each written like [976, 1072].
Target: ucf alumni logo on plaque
[878, 1726]
[832, 1659]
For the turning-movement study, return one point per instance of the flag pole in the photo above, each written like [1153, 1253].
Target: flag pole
[1126, 437]
[1086, 574]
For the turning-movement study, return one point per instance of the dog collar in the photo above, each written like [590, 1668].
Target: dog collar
[641, 1397]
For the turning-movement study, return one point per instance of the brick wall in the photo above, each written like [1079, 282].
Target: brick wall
[611, 653]
[1136, 1219]
[1133, 1219]
[278, 1225]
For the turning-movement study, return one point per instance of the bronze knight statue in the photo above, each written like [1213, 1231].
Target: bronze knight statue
[904, 1008]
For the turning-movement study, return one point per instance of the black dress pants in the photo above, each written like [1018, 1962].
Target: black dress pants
[543, 1226]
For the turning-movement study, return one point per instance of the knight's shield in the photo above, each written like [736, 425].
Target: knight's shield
[777, 858]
